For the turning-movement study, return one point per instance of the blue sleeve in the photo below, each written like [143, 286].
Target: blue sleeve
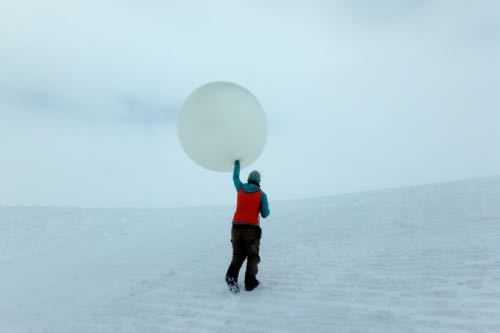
[236, 176]
[264, 206]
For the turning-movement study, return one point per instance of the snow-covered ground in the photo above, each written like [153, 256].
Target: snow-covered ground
[420, 259]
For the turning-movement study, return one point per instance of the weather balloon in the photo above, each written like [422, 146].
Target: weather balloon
[221, 122]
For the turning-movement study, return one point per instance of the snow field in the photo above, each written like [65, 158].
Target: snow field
[419, 259]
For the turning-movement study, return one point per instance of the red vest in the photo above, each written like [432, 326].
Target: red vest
[248, 207]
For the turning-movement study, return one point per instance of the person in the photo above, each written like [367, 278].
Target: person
[245, 231]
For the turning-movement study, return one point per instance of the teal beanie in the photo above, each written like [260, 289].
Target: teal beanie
[254, 176]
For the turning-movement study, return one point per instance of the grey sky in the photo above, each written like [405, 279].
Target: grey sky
[359, 95]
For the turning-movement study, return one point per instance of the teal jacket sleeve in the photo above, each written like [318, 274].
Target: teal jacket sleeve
[236, 176]
[264, 206]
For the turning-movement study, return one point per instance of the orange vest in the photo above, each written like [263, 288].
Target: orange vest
[248, 207]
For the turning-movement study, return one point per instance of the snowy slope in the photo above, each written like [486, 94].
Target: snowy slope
[422, 259]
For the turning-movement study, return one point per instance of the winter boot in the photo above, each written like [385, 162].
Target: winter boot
[251, 284]
[232, 284]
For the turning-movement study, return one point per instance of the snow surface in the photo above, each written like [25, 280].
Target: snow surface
[421, 259]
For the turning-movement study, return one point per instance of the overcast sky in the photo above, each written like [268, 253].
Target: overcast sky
[359, 95]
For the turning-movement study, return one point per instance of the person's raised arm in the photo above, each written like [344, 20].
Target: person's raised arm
[236, 176]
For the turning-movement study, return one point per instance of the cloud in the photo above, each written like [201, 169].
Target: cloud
[373, 94]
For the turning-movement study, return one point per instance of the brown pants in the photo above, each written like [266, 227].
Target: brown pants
[246, 242]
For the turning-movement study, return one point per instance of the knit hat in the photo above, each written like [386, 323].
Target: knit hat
[254, 176]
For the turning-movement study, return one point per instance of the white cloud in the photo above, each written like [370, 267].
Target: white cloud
[371, 95]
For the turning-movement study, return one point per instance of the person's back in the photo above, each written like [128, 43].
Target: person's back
[246, 231]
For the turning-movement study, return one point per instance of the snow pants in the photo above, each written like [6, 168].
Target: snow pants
[245, 240]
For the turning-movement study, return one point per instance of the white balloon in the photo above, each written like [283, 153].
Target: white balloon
[221, 122]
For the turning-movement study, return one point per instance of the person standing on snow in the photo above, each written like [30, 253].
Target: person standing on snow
[245, 231]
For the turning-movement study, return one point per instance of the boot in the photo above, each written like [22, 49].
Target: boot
[251, 284]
